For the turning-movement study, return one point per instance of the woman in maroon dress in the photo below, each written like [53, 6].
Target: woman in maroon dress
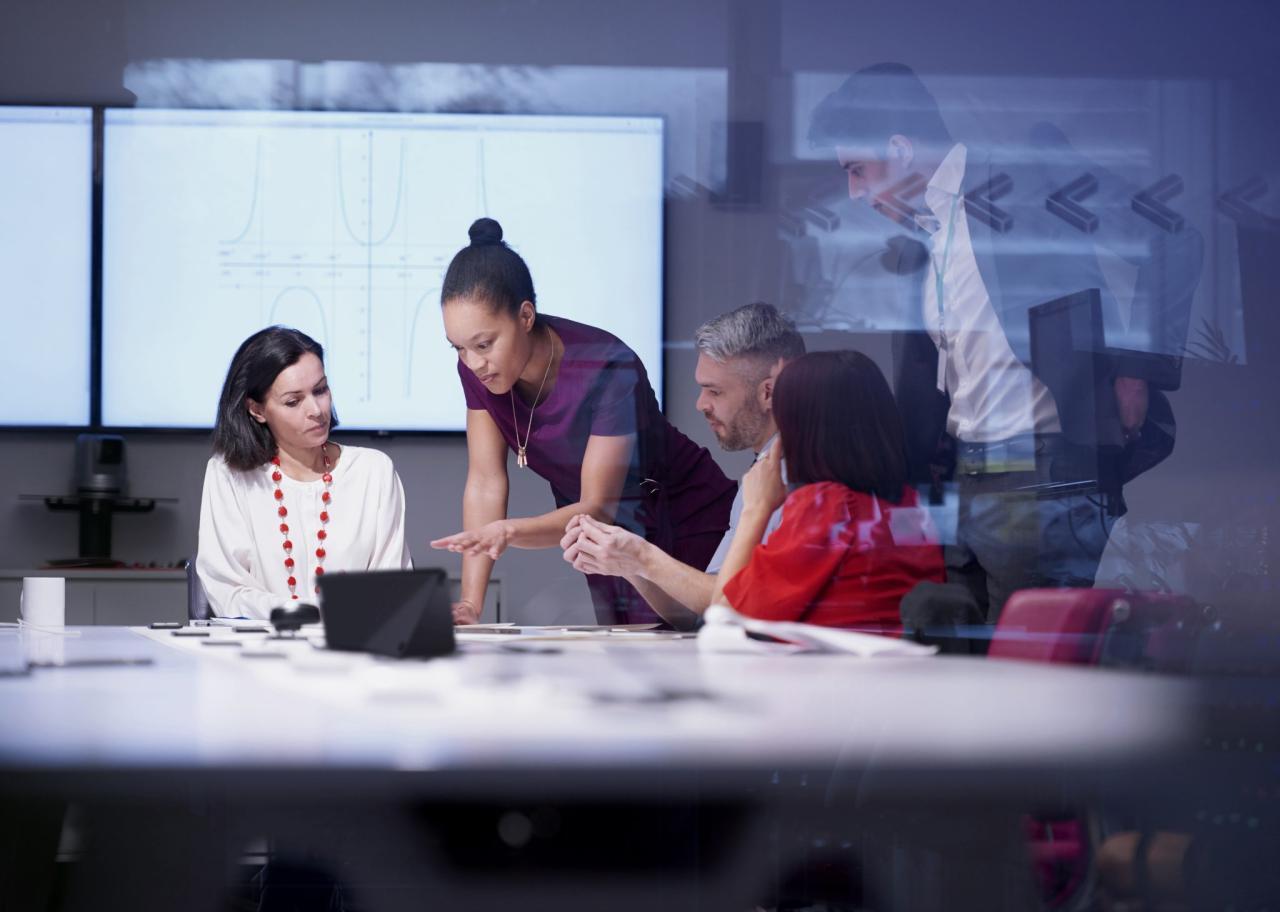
[575, 405]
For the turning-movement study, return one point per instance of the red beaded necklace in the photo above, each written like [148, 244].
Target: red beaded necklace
[277, 476]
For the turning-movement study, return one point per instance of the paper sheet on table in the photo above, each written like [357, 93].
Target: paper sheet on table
[470, 633]
[553, 631]
[727, 631]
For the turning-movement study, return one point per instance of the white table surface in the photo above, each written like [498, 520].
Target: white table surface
[401, 771]
[617, 703]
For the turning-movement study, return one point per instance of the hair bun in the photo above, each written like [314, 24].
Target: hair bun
[485, 232]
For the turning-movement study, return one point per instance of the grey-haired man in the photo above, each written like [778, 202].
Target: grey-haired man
[739, 356]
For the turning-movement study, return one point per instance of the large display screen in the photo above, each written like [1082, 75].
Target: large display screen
[46, 213]
[218, 223]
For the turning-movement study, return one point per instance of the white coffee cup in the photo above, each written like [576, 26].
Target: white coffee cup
[44, 601]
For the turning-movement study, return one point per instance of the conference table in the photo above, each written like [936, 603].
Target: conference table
[564, 769]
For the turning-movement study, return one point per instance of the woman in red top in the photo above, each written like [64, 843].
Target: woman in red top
[853, 539]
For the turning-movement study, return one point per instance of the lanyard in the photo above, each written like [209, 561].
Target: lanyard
[938, 271]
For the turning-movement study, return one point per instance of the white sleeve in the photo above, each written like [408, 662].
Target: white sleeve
[390, 551]
[735, 515]
[722, 550]
[225, 546]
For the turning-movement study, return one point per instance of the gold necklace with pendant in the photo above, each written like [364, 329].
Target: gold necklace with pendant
[522, 458]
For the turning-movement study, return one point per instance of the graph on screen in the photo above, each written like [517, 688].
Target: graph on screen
[46, 172]
[218, 223]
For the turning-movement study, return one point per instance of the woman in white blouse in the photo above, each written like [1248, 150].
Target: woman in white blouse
[283, 505]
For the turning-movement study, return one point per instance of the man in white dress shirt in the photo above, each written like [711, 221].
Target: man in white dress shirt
[739, 356]
[1040, 453]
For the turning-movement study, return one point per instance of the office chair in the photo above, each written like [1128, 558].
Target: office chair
[197, 602]
[1153, 630]
[1104, 627]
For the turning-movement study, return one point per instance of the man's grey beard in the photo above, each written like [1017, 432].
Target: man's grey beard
[745, 429]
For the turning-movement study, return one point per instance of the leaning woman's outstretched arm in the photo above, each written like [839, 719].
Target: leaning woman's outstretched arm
[487, 530]
[604, 472]
[484, 500]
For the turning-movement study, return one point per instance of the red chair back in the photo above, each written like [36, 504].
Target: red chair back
[1096, 627]
[1088, 627]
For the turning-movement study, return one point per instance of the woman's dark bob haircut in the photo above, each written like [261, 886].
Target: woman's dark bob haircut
[241, 441]
[489, 270]
[838, 422]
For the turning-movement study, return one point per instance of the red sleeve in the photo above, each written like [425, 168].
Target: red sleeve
[788, 573]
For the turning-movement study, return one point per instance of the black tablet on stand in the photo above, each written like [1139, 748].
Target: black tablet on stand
[398, 613]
